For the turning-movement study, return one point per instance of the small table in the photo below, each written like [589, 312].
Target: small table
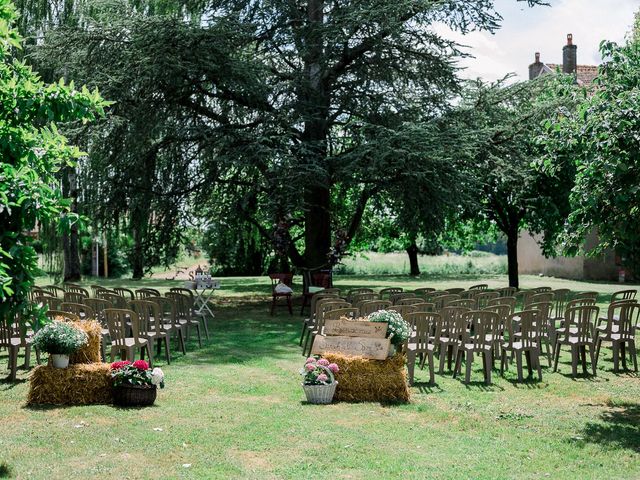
[203, 293]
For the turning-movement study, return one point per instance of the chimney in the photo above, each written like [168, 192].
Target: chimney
[569, 56]
[535, 69]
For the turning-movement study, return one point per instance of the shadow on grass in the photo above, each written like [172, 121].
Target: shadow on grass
[619, 427]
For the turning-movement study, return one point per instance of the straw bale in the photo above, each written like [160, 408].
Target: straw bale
[80, 384]
[90, 353]
[363, 380]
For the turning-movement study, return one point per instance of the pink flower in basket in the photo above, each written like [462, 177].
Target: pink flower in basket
[324, 362]
[119, 365]
[322, 377]
[141, 365]
[333, 367]
[311, 360]
[310, 367]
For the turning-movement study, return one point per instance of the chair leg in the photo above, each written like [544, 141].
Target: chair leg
[633, 354]
[458, 363]
[166, 349]
[197, 325]
[536, 355]
[593, 365]
[527, 356]
[180, 334]
[443, 354]
[574, 360]
[556, 352]
[597, 354]
[13, 363]
[304, 330]
[149, 349]
[432, 379]
[583, 356]
[616, 356]
[519, 364]
[469, 361]
[623, 352]
[411, 365]
[503, 360]
[488, 366]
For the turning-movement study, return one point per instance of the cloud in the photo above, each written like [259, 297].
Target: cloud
[543, 29]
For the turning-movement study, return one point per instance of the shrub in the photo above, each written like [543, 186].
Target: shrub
[60, 338]
[397, 329]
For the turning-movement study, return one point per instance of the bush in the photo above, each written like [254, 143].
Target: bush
[60, 338]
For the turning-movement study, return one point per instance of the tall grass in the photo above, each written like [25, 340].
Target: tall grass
[475, 263]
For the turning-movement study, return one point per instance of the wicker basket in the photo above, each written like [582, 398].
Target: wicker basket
[134, 395]
[321, 394]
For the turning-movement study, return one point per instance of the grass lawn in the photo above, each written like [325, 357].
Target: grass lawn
[234, 409]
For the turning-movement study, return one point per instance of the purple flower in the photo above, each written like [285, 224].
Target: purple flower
[323, 361]
[333, 367]
[322, 377]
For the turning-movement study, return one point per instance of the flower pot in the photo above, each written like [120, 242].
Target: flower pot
[134, 395]
[60, 361]
[320, 394]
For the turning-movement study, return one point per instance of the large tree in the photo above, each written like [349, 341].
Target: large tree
[514, 192]
[283, 101]
[31, 151]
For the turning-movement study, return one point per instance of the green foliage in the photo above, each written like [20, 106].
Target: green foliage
[32, 150]
[5, 470]
[601, 141]
[60, 338]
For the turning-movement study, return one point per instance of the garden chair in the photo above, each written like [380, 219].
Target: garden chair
[169, 321]
[560, 299]
[52, 303]
[13, 337]
[314, 283]
[541, 290]
[200, 316]
[114, 299]
[314, 299]
[84, 312]
[310, 323]
[95, 289]
[122, 322]
[73, 288]
[420, 343]
[386, 293]
[396, 297]
[525, 340]
[538, 298]
[54, 290]
[469, 303]
[403, 310]
[62, 316]
[424, 307]
[338, 313]
[587, 296]
[318, 327]
[183, 314]
[546, 329]
[285, 279]
[421, 292]
[39, 292]
[455, 291]
[356, 291]
[371, 306]
[507, 291]
[74, 297]
[481, 286]
[623, 295]
[522, 297]
[484, 297]
[578, 333]
[142, 293]
[409, 301]
[150, 325]
[484, 326]
[619, 330]
[444, 301]
[510, 301]
[126, 293]
[448, 334]
[430, 297]
[358, 298]
[504, 313]
[99, 305]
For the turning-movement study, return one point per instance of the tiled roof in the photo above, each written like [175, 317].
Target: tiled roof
[585, 73]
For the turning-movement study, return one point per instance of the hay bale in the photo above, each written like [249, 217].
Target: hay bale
[363, 380]
[90, 353]
[80, 384]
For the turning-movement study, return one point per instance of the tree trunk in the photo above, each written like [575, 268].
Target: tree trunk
[71, 250]
[317, 233]
[412, 251]
[512, 257]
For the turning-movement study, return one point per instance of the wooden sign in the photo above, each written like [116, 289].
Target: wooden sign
[353, 328]
[373, 348]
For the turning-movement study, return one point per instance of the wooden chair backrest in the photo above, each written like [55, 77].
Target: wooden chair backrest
[62, 316]
[396, 297]
[72, 288]
[338, 313]
[623, 295]
[409, 301]
[183, 305]
[481, 286]
[385, 293]
[424, 324]
[125, 292]
[539, 297]
[371, 306]
[358, 298]
[166, 308]
[422, 291]
[431, 296]
[528, 328]
[119, 320]
[148, 315]
[510, 301]
[115, 300]
[583, 319]
[455, 291]
[453, 322]
[578, 302]
[319, 296]
[507, 291]
[424, 307]
[74, 297]
[482, 299]
[484, 325]
[541, 290]
[357, 291]
[444, 300]
[53, 303]
[560, 298]
[142, 293]
[55, 290]
[469, 303]
[622, 317]
[83, 311]
[586, 295]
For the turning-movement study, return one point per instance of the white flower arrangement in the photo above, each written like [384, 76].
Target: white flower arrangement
[157, 377]
[398, 331]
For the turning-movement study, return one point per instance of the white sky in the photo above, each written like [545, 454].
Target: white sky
[527, 30]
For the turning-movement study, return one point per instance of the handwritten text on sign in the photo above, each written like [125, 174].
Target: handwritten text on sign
[373, 348]
[350, 328]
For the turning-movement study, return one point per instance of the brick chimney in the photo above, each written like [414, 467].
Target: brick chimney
[535, 69]
[569, 56]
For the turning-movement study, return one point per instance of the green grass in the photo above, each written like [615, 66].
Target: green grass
[234, 409]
